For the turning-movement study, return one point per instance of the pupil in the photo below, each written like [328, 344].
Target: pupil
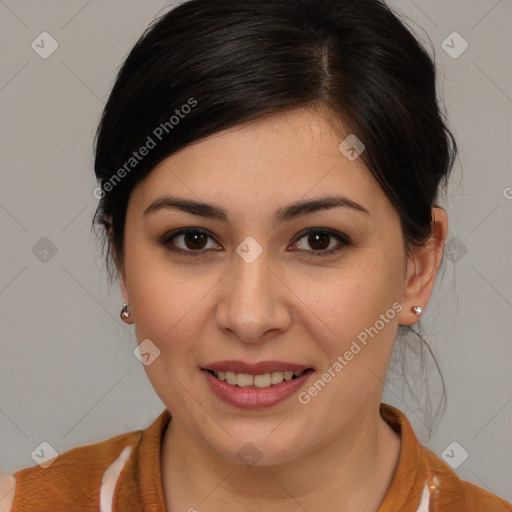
[314, 238]
[194, 237]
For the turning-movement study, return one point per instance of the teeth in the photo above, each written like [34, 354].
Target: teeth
[244, 379]
[262, 381]
[277, 377]
[265, 380]
[231, 378]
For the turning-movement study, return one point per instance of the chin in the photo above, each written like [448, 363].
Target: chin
[253, 448]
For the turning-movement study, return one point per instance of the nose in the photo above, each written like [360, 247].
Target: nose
[254, 304]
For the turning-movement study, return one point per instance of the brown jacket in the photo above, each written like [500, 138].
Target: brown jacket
[123, 474]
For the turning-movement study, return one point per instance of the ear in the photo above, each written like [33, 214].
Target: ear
[120, 272]
[124, 292]
[122, 284]
[422, 268]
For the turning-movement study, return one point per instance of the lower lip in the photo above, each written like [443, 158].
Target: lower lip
[252, 398]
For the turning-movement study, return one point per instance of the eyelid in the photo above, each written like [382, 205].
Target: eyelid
[343, 239]
[166, 239]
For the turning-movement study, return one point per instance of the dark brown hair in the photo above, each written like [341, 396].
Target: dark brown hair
[209, 65]
[241, 60]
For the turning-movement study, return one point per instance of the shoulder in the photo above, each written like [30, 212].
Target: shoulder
[452, 493]
[72, 477]
[7, 487]
[444, 490]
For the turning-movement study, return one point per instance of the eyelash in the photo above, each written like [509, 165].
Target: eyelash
[343, 239]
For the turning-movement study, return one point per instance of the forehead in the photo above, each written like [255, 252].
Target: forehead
[263, 164]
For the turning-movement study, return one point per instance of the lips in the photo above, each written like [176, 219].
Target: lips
[249, 385]
[255, 368]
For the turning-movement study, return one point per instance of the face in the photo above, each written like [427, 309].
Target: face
[252, 292]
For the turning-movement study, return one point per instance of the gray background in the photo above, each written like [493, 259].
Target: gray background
[68, 373]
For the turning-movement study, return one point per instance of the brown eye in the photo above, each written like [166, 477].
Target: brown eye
[189, 242]
[321, 242]
[194, 241]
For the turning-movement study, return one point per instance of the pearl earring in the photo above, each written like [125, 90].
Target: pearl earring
[417, 310]
[125, 314]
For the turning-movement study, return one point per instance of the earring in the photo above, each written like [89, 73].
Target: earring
[125, 314]
[417, 310]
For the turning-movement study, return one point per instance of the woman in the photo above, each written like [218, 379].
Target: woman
[269, 175]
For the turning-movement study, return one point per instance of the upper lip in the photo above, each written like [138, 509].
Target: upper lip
[255, 368]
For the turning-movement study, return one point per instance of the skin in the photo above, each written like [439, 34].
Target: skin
[336, 452]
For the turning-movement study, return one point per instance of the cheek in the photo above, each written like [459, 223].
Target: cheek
[168, 303]
[353, 323]
[163, 308]
[346, 300]
[353, 316]
[168, 311]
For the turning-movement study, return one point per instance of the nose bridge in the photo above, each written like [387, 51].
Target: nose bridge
[252, 303]
[251, 281]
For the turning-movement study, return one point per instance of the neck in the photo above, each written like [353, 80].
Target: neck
[353, 470]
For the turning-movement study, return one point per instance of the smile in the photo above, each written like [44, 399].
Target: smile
[258, 385]
[264, 380]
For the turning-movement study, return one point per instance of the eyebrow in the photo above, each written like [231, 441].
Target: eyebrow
[285, 214]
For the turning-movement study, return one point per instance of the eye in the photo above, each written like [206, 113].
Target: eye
[321, 239]
[195, 241]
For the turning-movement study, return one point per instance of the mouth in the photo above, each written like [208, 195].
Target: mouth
[258, 381]
[255, 385]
